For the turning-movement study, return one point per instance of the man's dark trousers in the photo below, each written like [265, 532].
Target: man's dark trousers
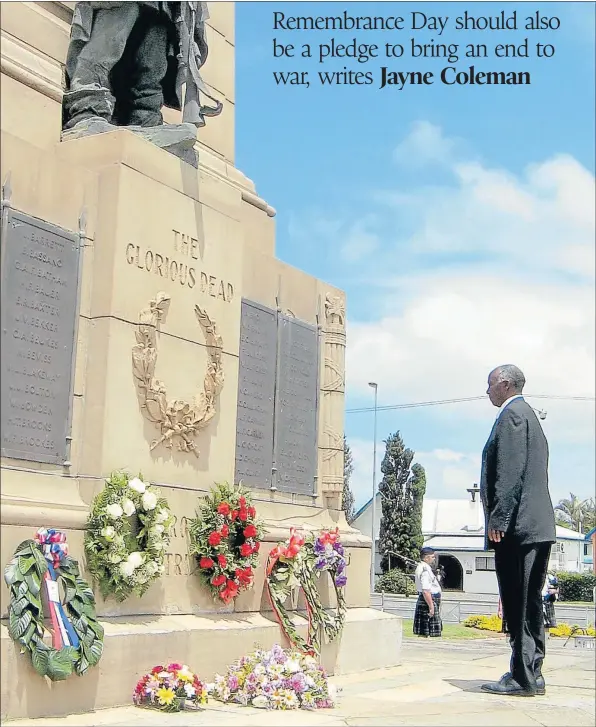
[521, 570]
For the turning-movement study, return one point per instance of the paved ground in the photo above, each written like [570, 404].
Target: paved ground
[438, 684]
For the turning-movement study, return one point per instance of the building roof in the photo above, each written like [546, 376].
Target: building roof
[567, 534]
[365, 507]
[590, 533]
[450, 517]
[453, 542]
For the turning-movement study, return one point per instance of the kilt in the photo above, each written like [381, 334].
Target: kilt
[425, 625]
[550, 617]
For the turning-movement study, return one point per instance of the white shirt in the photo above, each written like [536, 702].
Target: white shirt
[507, 402]
[425, 579]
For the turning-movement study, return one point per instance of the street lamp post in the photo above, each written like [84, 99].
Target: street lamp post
[374, 386]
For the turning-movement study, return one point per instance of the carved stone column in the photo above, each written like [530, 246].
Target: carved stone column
[333, 392]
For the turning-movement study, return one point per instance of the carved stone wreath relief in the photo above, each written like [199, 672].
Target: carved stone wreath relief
[178, 421]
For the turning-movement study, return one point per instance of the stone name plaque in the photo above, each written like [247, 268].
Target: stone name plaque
[296, 406]
[256, 389]
[40, 280]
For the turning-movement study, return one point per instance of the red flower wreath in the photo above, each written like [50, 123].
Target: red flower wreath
[225, 538]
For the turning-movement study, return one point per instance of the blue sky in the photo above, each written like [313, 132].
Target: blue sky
[459, 221]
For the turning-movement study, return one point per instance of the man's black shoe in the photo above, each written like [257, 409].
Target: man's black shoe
[540, 683]
[508, 687]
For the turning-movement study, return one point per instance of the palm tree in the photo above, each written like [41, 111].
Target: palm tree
[575, 513]
[590, 515]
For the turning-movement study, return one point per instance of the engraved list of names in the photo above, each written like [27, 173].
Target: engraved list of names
[256, 388]
[296, 406]
[40, 278]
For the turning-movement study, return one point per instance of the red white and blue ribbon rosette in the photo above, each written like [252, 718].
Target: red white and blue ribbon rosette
[55, 548]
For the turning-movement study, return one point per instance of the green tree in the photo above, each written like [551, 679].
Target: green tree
[572, 512]
[589, 515]
[402, 492]
[347, 500]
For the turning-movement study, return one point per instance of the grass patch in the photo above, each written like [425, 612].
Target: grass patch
[452, 631]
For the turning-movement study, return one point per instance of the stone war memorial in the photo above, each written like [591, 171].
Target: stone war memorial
[148, 328]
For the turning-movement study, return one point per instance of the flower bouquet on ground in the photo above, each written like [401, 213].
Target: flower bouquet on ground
[275, 679]
[170, 689]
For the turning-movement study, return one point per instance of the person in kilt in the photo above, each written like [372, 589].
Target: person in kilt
[427, 616]
[550, 593]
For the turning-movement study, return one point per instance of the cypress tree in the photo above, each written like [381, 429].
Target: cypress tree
[402, 492]
[347, 500]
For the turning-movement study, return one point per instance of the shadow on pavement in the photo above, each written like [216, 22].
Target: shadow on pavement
[467, 685]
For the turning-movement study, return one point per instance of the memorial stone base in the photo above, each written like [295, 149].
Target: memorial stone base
[149, 224]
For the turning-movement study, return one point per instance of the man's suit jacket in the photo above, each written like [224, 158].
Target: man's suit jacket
[514, 478]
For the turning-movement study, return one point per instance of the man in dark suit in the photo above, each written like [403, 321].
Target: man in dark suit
[519, 526]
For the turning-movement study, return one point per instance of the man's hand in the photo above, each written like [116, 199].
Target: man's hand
[495, 535]
[427, 595]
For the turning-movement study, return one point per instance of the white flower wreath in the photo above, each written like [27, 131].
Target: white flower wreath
[122, 561]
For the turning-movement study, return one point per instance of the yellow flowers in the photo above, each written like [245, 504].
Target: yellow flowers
[185, 674]
[165, 696]
[564, 630]
[485, 623]
[494, 623]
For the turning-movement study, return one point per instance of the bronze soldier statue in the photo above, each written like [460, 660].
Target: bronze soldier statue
[126, 60]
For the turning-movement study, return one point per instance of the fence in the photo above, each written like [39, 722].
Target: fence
[456, 611]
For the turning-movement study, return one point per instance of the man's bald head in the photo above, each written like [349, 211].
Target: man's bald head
[504, 382]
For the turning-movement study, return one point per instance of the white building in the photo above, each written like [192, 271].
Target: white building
[455, 529]
[589, 551]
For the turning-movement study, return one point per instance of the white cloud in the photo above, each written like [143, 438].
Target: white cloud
[449, 330]
[494, 268]
[362, 457]
[442, 328]
[541, 221]
[448, 473]
[425, 144]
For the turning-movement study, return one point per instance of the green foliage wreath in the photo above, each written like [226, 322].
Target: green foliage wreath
[122, 560]
[24, 576]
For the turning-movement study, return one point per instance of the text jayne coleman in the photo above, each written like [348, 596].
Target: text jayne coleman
[451, 76]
